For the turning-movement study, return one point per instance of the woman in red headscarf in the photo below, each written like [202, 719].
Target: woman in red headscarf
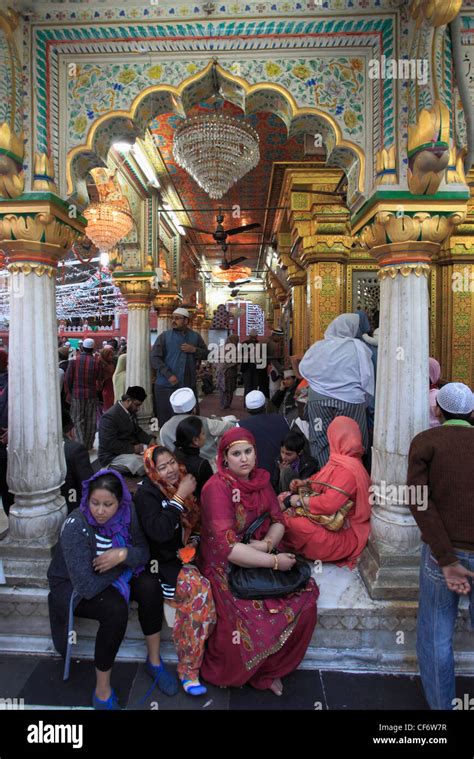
[343, 478]
[254, 641]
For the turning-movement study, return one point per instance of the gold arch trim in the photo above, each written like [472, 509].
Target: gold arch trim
[249, 89]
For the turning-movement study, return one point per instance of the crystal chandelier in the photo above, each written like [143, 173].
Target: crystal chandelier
[109, 219]
[108, 222]
[216, 150]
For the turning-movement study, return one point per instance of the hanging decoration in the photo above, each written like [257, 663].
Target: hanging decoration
[109, 219]
[232, 275]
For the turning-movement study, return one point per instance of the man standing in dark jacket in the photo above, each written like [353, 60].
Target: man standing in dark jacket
[79, 467]
[175, 356]
[440, 471]
[269, 430]
[121, 439]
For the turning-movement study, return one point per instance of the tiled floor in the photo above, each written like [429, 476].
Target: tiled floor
[39, 682]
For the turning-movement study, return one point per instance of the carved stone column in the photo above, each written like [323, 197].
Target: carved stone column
[139, 293]
[404, 248]
[35, 233]
[164, 305]
[297, 280]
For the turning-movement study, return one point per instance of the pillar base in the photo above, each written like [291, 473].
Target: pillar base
[36, 520]
[24, 566]
[389, 576]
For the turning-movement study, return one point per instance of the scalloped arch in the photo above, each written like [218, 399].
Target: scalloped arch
[163, 98]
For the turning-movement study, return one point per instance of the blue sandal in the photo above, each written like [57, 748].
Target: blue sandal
[193, 687]
[111, 704]
[166, 681]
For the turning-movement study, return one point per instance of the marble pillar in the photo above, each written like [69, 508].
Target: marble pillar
[389, 565]
[35, 236]
[139, 293]
[138, 356]
[163, 323]
[36, 464]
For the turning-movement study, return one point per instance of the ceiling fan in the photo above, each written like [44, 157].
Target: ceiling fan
[238, 283]
[220, 236]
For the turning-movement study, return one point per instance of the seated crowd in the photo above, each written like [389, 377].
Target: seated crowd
[217, 495]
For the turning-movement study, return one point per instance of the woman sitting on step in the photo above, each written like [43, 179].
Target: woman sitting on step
[169, 515]
[97, 568]
[342, 482]
[255, 642]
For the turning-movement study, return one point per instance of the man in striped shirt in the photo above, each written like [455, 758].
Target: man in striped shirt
[81, 381]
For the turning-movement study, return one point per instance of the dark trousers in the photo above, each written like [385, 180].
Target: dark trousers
[7, 497]
[110, 609]
[250, 377]
[263, 382]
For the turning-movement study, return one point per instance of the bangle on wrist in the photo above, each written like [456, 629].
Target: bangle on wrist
[177, 498]
[275, 560]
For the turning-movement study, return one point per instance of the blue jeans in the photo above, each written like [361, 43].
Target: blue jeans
[437, 612]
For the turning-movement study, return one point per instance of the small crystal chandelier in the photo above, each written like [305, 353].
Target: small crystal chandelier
[216, 150]
[109, 219]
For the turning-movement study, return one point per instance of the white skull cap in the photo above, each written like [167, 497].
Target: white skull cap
[456, 398]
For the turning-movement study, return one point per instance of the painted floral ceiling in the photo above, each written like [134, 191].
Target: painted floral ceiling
[251, 192]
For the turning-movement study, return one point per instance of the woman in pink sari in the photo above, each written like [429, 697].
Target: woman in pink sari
[255, 642]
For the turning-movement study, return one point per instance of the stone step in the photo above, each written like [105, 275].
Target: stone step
[354, 632]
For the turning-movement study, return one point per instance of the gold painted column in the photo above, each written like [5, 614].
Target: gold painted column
[404, 248]
[455, 304]
[138, 291]
[35, 234]
[325, 242]
[300, 335]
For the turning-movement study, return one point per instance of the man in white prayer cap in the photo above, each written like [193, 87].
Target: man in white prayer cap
[175, 356]
[440, 476]
[183, 402]
[269, 430]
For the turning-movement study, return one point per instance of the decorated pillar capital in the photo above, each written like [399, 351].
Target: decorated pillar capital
[137, 290]
[165, 303]
[408, 243]
[36, 232]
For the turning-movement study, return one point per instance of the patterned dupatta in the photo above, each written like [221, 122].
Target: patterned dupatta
[191, 519]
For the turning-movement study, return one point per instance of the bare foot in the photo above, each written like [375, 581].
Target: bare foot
[277, 687]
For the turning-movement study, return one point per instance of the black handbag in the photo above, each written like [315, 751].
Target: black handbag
[258, 583]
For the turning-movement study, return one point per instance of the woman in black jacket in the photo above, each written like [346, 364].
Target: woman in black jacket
[190, 437]
[97, 567]
[169, 515]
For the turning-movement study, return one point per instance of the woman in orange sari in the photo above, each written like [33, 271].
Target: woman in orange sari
[342, 479]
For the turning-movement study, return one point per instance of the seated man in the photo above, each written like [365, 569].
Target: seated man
[184, 403]
[79, 467]
[294, 462]
[121, 439]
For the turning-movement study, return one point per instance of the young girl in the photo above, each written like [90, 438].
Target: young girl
[169, 515]
[97, 567]
[190, 437]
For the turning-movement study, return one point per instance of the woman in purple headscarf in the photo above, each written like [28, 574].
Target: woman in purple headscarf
[97, 568]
